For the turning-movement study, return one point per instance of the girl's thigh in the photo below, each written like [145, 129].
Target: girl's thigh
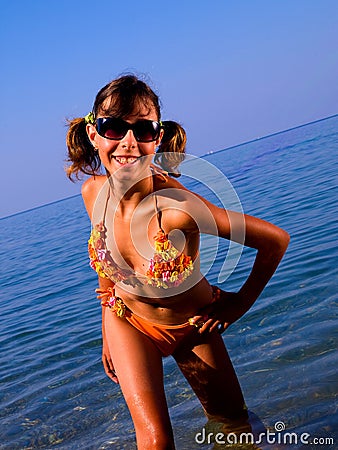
[138, 366]
[205, 363]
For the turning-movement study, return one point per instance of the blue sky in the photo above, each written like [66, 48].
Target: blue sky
[228, 71]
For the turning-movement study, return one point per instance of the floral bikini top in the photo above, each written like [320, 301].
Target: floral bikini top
[167, 268]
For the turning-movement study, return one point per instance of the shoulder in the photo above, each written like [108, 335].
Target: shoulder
[92, 185]
[195, 209]
[90, 190]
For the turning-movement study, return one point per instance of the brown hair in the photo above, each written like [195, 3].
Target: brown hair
[121, 98]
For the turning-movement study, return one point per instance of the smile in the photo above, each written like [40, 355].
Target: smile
[126, 159]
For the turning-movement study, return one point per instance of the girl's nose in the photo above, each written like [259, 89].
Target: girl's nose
[129, 139]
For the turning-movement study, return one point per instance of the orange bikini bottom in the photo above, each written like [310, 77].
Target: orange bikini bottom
[165, 337]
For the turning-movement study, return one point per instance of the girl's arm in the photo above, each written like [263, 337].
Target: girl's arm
[90, 190]
[107, 362]
[270, 242]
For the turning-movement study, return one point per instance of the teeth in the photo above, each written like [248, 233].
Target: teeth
[126, 160]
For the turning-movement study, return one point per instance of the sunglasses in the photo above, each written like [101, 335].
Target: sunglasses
[115, 129]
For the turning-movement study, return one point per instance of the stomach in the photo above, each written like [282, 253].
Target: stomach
[169, 306]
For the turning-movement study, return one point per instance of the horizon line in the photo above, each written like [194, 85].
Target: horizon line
[211, 152]
[40, 206]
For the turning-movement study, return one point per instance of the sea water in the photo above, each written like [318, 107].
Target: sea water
[53, 391]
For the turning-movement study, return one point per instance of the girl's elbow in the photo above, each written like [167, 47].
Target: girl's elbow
[282, 240]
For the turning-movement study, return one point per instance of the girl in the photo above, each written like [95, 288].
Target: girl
[144, 246]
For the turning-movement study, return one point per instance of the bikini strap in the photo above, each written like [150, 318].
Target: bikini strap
[158, 213]
[106, 203]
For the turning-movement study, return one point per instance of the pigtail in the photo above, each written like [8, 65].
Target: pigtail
[171, 151]
[81, 153]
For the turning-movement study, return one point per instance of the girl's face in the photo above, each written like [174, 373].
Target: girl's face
[126, 152]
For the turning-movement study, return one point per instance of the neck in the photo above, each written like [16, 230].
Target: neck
[127, 193]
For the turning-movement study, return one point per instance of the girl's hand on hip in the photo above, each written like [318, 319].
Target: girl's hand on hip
[218, 316]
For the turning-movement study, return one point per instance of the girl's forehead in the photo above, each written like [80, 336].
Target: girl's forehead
[113, 107]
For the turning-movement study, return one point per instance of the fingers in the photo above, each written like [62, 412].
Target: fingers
[213, 313]
[212, 325]
[102, 293]
[109, 369]
[209, 324]
[220, 327]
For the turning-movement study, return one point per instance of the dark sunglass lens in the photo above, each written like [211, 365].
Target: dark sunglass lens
[111, 128]
[146, 130]
[116, 129]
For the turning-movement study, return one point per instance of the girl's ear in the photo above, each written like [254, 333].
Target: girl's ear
[159, 139]
[92, 133]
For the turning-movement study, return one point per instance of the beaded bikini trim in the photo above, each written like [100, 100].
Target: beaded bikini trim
[167, 268]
